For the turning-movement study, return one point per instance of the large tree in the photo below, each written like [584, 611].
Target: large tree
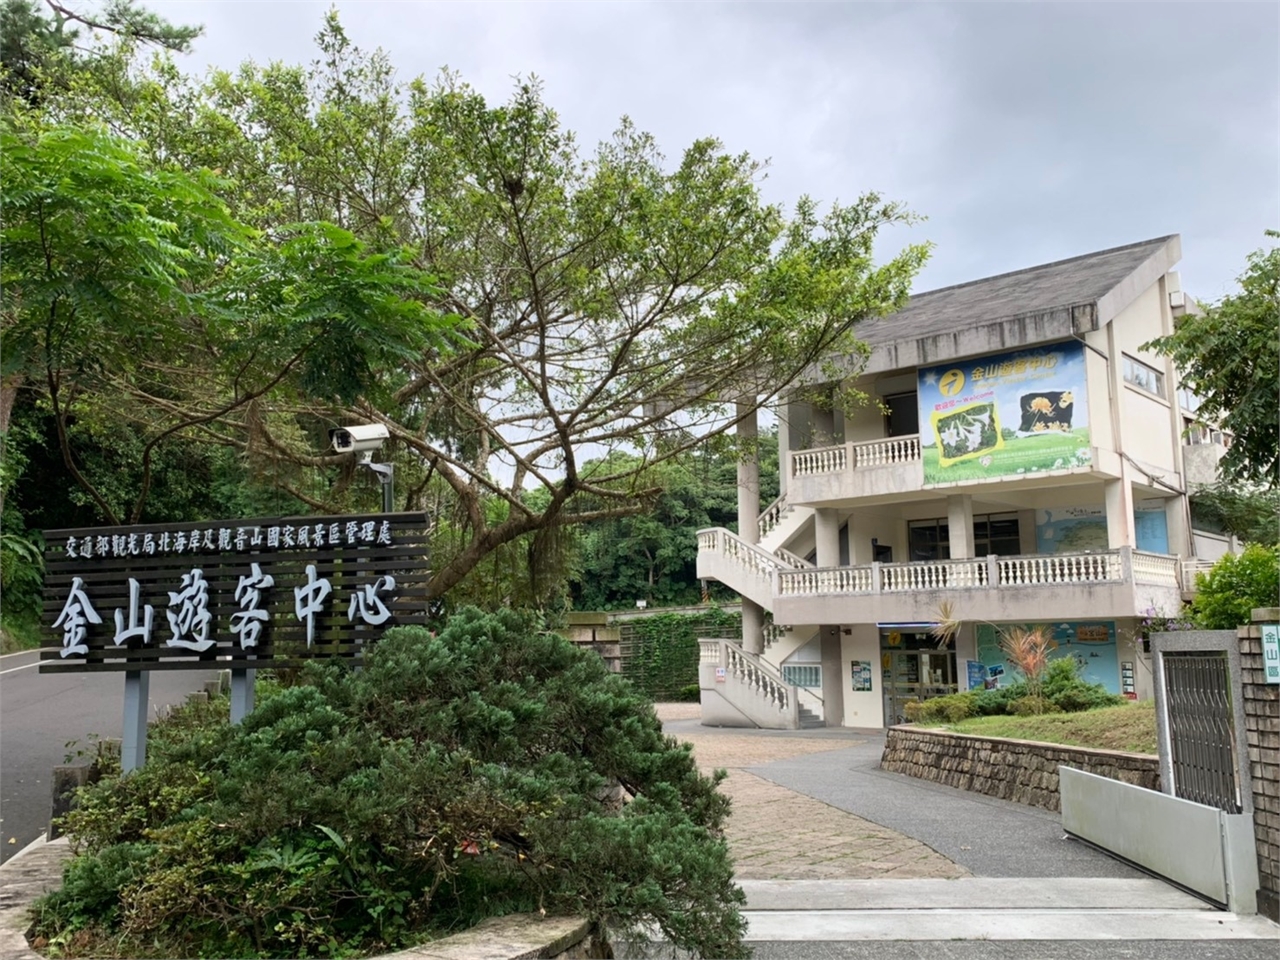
[1229, 355]
[132, 294]
[616, 301]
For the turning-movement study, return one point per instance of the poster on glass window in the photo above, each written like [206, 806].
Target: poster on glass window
[1005, 415]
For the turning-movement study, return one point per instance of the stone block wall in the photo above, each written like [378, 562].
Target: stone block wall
[1017, 770]
[1262, 734]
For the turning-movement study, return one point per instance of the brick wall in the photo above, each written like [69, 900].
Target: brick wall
[1262, 734]
[1015, 770]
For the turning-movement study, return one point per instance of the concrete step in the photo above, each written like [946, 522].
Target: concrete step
[988, 908]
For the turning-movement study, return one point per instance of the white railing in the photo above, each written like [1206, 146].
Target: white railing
[804, 583]
[771, 516]
[939, 575]
[1155, 568]
[1060, 568]
[709, 652]
[756, 676]
[1188, 571]
[867, 453]
[808, 463]
[755, 560]
[986, 572]
[881, 453]
[791, 559]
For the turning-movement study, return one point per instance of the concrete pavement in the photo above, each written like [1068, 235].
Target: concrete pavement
[841, 859]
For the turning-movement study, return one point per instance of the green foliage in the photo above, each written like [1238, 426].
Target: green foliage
[653, 555]
[606, 288]
[457, 776]
[1253, 515]
[137, 305]
[1229, 357]
[691, 693]
[1032, 706]
[1235, 586]
[39, 49]
[1061, 689]
[660, 652]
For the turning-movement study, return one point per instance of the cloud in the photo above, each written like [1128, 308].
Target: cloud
[1026, 132]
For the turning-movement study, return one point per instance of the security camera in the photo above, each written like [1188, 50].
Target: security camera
[359, 439]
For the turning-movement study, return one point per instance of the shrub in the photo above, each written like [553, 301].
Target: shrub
[1229, 592]
[1031, 705]
[456, 777]
[1068, 691]
[992, 703]
[952, 709]
[691, 693]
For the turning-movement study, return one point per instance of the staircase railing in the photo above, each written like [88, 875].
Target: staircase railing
[763, 680]
[792, 559]
[772, 515]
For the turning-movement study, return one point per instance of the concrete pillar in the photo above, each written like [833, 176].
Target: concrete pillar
[960, 525]
[826, 535]
[748, 475]
[749, 517]
[784, 445]
[833, 679]
[1177, 521]
[1119, 498]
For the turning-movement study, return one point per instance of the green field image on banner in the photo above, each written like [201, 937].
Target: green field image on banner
[1005, 415]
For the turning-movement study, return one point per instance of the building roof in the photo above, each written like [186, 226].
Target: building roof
[1034, 305]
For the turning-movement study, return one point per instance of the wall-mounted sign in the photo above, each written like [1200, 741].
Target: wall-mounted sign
[1004, 415]
[720, 675]
[263, 592]
[861, 675]
[1271, 652]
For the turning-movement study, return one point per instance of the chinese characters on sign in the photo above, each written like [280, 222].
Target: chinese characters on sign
[1271, 652]
[276, 591]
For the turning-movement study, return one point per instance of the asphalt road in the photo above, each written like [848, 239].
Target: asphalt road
[41, 713]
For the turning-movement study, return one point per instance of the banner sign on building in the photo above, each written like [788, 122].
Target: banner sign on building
[1091, 643]
[260, 593]
[1004, 415]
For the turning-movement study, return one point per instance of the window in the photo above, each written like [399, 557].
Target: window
[1187, 400]
[1143, 377]
[929, 540]
[903, 418]
[996, 533]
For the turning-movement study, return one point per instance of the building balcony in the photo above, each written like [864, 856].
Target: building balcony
[894, 466]
[1104, 584]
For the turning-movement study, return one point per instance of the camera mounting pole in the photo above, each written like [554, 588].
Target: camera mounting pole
[386, 478]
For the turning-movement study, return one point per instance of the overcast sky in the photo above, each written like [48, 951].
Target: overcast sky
[1024, 132]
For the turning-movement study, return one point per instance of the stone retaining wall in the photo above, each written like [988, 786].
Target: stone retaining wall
[1262, 734]
[1017, 770]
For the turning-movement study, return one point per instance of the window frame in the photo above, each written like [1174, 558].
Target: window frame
[1132, 370]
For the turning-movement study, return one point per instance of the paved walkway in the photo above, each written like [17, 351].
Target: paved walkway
[777, 833]
[910, 869]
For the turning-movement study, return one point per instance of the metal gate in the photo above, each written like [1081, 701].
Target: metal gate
[1201, 734]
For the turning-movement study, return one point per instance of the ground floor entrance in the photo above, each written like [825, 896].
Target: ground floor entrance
[914, 667]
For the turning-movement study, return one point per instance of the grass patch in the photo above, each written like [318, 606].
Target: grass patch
[1035, 454]
[18, 634]
[1131, 728]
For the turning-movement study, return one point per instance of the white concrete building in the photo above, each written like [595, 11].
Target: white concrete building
[1025, 464]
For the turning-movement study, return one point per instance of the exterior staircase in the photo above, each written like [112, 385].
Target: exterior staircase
[780, 521]
[740, 689]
